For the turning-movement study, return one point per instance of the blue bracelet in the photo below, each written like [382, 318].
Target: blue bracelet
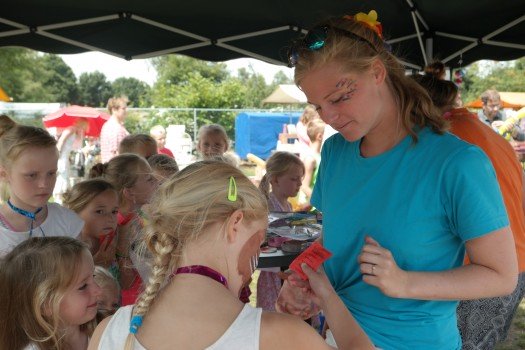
[136, 322]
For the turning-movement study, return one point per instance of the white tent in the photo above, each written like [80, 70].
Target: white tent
[286, 93]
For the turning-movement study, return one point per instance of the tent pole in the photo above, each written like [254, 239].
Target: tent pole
[429, 46]
[504, 28]
[460, 52]
[251, 54]
[172, 50]
[419, 39]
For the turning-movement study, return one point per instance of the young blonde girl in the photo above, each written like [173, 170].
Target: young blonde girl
[96, 202]
[48, 298]
[214, 143]
[131, 176]
[109, 299]
[28, 168]
[284, 176]
[205, 227]
[283, 179]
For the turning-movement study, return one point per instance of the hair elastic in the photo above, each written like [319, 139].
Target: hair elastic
[136, 322]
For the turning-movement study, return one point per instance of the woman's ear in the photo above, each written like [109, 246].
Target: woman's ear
[378, 71]
[47, 309]
[273, 180]
[233, 225]
[3, 173]
[128, 194]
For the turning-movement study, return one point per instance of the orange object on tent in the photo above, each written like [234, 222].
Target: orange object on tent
[3, 96]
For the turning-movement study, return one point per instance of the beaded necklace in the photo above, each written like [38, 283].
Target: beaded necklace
[27, 214]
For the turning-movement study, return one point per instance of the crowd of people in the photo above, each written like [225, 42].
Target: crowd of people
[422, 203]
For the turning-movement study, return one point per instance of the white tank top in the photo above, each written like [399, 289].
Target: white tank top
[243, 333]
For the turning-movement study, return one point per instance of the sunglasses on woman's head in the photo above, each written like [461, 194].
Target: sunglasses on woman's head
[315, 40]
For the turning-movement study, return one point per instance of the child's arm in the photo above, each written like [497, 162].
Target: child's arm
[309, 168]
[347, 332]
[127, 275]
[63, 137]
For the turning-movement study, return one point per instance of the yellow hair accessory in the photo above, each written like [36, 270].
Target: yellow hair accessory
[370, 20]
[232, 190]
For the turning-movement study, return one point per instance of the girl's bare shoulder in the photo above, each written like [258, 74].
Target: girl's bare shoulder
[282, 331]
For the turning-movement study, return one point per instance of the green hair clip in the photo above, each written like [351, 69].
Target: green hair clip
[232, 190]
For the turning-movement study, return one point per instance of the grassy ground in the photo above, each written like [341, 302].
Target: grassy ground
[516, 337]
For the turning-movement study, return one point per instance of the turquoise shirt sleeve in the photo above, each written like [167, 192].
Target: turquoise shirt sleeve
[471, 195]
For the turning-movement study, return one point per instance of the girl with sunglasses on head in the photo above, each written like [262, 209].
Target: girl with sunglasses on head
[402, 200]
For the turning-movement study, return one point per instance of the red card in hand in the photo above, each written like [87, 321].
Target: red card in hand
[314, 256]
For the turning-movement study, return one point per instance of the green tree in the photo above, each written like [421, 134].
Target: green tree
[508, 77]
[137, 91]
[281, 78]
[14, 65]
[94, 89]
[21, 77]
[255, 88]
[199, 92]
[59, 79]
[176, 69]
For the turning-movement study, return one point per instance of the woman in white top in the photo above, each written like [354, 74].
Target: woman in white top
[204, 229]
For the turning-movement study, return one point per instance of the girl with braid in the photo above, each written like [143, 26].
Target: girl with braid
[204, 229]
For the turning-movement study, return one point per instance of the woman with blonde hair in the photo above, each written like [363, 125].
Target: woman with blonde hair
[400, 205]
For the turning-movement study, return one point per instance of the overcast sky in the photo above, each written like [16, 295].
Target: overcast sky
[114, 67]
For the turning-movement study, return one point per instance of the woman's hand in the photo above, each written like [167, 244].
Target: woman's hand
[318, 284]
[380, 269]
[295, 299]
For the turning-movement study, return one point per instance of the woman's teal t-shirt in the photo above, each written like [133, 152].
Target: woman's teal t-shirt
[420, 201]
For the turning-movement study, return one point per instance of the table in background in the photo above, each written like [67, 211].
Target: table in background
[276, 259]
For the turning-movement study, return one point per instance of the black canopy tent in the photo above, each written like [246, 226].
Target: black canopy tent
[456, 32]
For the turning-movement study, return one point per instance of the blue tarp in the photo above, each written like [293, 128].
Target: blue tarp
[258, 133]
